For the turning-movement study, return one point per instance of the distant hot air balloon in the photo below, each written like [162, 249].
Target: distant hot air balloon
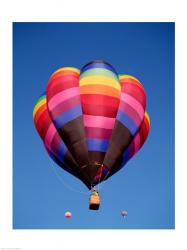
[124, 213]
[92, 121]
[68, 215]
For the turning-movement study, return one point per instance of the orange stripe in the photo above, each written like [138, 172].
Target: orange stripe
[147, 117]
[128, 76]
[67, 68]
[99, 89]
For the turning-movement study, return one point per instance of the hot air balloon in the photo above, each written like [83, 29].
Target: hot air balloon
[92, 121]
[124, 213]
[68, 215]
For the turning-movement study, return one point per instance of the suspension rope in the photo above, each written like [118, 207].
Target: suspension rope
[99, 184]
[100, 175]
[63, 182]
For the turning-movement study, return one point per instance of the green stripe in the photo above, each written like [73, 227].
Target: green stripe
[99, 72]
[40, 99]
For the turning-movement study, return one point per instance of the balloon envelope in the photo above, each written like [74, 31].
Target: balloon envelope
[68, 215]
[124, 213]
[92, 121]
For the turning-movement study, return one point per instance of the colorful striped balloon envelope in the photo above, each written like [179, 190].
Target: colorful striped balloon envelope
[92, 121]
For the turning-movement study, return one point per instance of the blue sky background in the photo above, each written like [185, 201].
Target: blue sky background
[145, 186]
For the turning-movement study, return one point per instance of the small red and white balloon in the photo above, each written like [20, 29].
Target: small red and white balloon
[68, 215]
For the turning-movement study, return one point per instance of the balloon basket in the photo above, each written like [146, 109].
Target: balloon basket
[94, 201]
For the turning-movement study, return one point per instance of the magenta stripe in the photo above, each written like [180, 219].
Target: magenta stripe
[51, 150]
[130, 112]
[54, 144]
[63, 96]
[98, 133]
[98, 121]
[133, 102]
[66, 105]
[50, 135]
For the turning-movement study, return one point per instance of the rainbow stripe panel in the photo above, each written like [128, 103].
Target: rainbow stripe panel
[47, 130]
[100, 95]
[128, 119]
[50, 137]
[132, 103]
[64, 105]
[63, 96]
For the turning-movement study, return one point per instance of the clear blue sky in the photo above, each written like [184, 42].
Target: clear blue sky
[145, 186]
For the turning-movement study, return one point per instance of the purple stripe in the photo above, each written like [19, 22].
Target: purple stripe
[61, 151]
[127, 121]
[125, 157]
[66, 105]
[94, 65]
[97, 145]
[131, 112]
[67, 116]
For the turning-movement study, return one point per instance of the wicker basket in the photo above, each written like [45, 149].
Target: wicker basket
[94, 201]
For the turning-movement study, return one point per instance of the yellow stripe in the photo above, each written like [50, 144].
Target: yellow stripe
[128, 76]
[38, 105]
[147, 116]
[100, 80]
[66, 68]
